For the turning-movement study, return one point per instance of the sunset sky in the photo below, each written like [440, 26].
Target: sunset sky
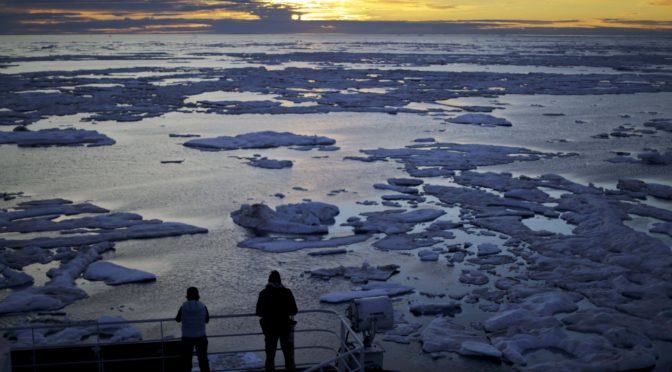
[211, 16]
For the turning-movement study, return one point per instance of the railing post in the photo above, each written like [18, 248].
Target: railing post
[99, 351]
[163, 354]
[32, 336]
[362, 353]
[343, 347]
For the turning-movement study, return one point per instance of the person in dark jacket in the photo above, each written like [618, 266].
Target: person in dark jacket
[276, 307]
[194, 315]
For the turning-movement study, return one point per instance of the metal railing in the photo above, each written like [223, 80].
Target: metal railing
[317, 346]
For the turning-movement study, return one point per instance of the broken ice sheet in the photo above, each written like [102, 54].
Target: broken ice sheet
[360, 274]
[81, 242]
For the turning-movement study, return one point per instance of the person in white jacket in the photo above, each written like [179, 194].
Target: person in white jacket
[193, 315]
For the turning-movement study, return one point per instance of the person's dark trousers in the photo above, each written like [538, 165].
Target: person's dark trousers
[287, 346]
[201, 345]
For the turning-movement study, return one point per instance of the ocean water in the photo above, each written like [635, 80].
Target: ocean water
[207, 187]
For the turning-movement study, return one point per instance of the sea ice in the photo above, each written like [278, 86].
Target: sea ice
[79, 243]
[442, 334]
[113, 274]
[654, 157]
[437, 159]
[427, 255]
[399, 242]
[305, 218]
[358, 274]
[480, 119]
[426, 308]
[587, 353]
[394, 221]
[642, 188]
[487, 249]
[473, 277]
[367, 290]
[270, 163]
[55, 137]
[664, 124]
[50, 332]
[662, 228]
[258, 140]
[282, 245]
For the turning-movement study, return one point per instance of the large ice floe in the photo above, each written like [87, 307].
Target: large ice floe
[81, 241]
[296, 226]
[113, 274]
[258, 140]
[55, 137]
[434, 159]
[360, 274]
[480, 119]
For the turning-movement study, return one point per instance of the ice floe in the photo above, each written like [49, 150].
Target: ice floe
[360, 274]
[113, 274]
[305, 218]
[427, 308]
[55, 137]
[282, 245]
[641, 188]
[442, 159]
[393, 221]
[367, 290]
[258, 140]
[442, 334]
[270, 163]
[480, 119]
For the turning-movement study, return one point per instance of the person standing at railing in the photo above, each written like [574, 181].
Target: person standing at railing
[193, 315]
[276, 307]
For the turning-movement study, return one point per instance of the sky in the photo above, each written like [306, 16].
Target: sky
[384, 16]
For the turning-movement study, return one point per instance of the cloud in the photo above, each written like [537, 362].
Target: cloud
[253, 16]
[642, 22]
[660, 2]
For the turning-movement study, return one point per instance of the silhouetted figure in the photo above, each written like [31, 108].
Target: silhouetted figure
[276, 307]
[194, 315]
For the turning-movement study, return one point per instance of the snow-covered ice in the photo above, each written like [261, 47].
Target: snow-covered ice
[480, 119]
[367, 290]
[113, 274]
[55, 137]
[305, 218]
[258, 140]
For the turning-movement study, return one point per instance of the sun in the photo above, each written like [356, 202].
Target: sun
[321, 10]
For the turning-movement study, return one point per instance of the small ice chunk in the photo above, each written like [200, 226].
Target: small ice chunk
[368, 290]
[270, 163]
[487, 249]
[480, 119]
[473, 277]
[425, 308]
[427, 255]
